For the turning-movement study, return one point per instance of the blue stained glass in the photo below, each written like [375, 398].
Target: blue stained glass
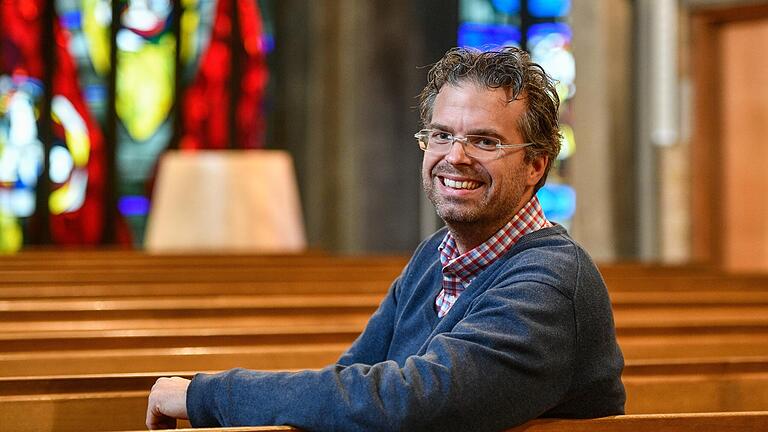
[71, 19]
[538, 31]
[484, 36]
[95, 93]
[133, 205]
[558, 201]
[269, 43]
[549, 8]
[509, 7]
[29, 84]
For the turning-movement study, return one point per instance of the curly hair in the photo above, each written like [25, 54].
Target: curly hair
[511, 69]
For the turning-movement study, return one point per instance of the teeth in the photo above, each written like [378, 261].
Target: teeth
[461, 185]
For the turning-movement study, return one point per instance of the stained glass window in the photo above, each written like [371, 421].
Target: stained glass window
[541, 26]
[175, 59]
[74, 145]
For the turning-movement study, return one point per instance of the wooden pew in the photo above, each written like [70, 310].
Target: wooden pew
[241, 429]
[736, 314]
[84, 259]
[153, 360]
[92, 258]
[751, 421]
[73, 314]
[36, 403]
[106, 307]
[139, 260]
[181, 274]
[36, 310]
[69, 294]
[75, 403]
[157, 350]
[172, 279]
[116, 268]
[687, 282]
[310, 295]
[704, 342]
[191, 288]
[754, 421]
[216, 326]
[668, 386]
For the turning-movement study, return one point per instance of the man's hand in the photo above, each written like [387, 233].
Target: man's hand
[167, 402]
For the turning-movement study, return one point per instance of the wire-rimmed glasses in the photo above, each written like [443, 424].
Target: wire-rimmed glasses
[479, 147]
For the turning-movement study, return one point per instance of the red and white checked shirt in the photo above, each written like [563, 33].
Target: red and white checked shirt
[460, 270]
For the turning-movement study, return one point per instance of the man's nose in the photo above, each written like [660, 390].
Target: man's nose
[457, 154]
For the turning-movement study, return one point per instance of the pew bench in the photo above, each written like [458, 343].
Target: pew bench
[79, 402]
[180, 274]
[83, 260]
[53, 290]
[752, 421]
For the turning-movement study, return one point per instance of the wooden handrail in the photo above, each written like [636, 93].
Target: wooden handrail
[752, 421]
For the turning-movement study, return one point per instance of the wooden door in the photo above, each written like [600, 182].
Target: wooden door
[730, 143]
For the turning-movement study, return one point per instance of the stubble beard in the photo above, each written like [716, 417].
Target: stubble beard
[490, 210]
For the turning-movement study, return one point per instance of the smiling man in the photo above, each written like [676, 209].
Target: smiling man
[497, 319]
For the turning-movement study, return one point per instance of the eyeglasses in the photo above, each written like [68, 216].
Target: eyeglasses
[475, 146]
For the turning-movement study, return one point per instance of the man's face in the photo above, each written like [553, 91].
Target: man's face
[468, 192]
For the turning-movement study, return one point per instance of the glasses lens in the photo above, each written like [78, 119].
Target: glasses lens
[474, 146]
[482, 147]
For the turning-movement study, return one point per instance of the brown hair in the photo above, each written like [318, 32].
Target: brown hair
[511, 69]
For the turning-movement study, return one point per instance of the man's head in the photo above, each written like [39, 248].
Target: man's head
[484, 99]
[512, 70]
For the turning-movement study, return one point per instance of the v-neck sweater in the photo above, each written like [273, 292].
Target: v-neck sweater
[532, 336]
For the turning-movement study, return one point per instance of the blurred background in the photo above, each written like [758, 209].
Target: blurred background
[664, 104]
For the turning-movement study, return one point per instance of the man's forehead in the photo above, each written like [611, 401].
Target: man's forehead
[469, 89]
[483, 100]
[477, 109]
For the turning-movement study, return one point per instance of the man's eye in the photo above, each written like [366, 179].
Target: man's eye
[484, 143]
[442, 136]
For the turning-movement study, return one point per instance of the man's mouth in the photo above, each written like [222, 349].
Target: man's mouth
[466, 184]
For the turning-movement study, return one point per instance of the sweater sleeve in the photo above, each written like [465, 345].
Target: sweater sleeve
[507, 361]
[372, 345]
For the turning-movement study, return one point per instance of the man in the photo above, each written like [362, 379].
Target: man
[497, 319]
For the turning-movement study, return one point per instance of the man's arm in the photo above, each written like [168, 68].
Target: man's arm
[372, 345]
[167, 402]
[509, 360]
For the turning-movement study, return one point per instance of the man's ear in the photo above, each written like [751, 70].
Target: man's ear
[536, 169]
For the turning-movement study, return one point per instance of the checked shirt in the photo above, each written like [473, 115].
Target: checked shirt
[460, 270]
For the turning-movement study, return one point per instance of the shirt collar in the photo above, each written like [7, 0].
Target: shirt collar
[466, 266]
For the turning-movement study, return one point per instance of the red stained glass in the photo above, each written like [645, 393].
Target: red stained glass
[206, 101]
[79, 222]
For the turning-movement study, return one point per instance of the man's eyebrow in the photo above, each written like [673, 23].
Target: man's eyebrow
[486, 132]
[480, 131]
[440, 127]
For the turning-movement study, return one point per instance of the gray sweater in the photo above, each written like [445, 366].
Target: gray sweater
[532, 336]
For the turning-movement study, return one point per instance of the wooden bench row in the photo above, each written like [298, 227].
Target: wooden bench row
[127, 266]
[298, 293]
[83, 260]
[692, 422]
[181, 274]
[108, 352]
[697, 320]
[70, 402]
[223, 351]
[67, 314]
[14, 313]
[754, 421]
[179, 281]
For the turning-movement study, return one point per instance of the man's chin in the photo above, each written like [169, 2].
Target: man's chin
[456, 216]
